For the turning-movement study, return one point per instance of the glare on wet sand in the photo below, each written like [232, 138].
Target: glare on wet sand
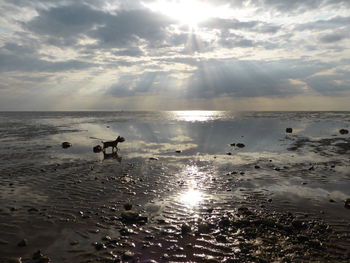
[191, 197]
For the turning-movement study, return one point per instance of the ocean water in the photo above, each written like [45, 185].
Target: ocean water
[180, 161]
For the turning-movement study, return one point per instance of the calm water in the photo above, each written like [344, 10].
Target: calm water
[199, 135]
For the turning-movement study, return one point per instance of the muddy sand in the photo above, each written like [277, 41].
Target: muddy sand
[178, 190]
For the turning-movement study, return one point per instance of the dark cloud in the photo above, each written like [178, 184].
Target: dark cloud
[127, 27]
[31, 63]
[333, 37]
[335, 22]
[66, 21]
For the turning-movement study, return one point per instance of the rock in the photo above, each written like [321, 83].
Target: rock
[127, 206]
[347, 203]
[232, 144]
[22, 243]
[343, 131]
[185, 228]
[126, 231]
[240, 145]
[178, 151]
[130, 216]
[128, 255]
[204, 228]
[289, 130]
[153, 158]
[33, 209]
[99, 246]
[257, 167]
[66, 145]
[37, 255]
[97, 149]
[228, 153]
[221, 239]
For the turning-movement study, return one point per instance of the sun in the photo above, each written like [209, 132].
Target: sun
[187, 12]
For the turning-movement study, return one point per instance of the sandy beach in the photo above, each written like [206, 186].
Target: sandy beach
[183, 187]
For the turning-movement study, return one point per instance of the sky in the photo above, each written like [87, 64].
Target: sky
[174, 55]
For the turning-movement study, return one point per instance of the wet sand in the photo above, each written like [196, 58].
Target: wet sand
[195, 205]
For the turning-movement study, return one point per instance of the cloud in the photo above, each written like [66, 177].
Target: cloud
[122, 49]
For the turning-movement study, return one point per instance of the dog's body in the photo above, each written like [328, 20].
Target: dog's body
[113, 144]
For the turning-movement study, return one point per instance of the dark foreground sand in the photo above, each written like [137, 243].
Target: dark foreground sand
[82, 218]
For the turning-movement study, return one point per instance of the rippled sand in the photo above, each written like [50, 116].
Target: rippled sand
[196, 198]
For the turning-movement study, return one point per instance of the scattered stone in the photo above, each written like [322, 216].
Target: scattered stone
[107, 238]
[204, 228]
[343, 131]
[126, 231]
[128, 255]
[37, 255]
[185, 228]
[289, 130]
[127, 206]
[99, 246]
[240, 145]
[347, 203]
[33, 209]
[74, 243]
[22, 243]
[66, 145]
[221, 239]
[97, 149]
[130, 216]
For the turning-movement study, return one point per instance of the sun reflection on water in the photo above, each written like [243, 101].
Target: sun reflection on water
[196, 115]
[191, 197]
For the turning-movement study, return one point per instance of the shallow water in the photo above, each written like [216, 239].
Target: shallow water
[173, 166]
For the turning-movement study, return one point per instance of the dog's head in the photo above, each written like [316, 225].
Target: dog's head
[120, 139]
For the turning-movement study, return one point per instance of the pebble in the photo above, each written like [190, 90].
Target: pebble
[343, 131]
[185, 229]
[22, 243]
[99, 246]
[127, 255]
[66, 145]
[347, 203]
[127, 206]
